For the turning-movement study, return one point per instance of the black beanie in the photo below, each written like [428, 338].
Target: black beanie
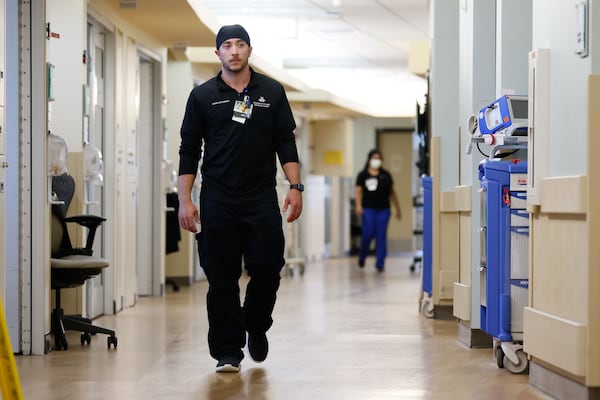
[232, 31]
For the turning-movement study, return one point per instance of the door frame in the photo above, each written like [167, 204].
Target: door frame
[95, 291]
[3, 158]
[155, 274]
[108, 194]
[33, 180]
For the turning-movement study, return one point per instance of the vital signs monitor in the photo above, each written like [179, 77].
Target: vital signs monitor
[507, 114]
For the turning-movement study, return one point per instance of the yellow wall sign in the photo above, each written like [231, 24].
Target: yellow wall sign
[333, 158]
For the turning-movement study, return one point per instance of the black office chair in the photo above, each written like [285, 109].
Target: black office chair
[71, 267]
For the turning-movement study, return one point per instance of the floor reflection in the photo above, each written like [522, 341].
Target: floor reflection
[249, 384]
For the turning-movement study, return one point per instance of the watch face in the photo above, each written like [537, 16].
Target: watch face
[298, 186]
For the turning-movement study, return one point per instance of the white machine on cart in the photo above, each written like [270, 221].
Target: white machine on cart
[501, 124]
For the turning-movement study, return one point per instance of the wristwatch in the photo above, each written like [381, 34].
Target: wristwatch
[297, 186]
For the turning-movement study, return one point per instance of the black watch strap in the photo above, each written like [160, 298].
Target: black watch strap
[297, 186]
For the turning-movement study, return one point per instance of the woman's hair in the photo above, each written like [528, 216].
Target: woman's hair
[371, 154]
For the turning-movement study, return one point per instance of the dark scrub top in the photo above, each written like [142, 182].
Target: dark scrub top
[239, 158]
[376, 189]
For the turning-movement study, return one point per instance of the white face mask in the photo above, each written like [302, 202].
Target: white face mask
[375, 163]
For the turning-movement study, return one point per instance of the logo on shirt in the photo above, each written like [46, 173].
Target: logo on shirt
[371, 184]
[262, 103]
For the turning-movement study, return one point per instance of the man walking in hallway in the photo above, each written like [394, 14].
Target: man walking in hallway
[237, 122]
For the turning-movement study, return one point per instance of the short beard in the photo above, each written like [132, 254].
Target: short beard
[237, 70]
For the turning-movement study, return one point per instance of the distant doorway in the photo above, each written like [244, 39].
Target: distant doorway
[396, 148]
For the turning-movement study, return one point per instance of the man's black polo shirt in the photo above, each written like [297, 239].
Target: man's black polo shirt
[239, 159]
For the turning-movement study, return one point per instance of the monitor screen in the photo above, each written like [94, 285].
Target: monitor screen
[519, 108]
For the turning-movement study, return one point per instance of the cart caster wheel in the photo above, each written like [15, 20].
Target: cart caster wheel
[412, 268]
[427, 309]
[499, 357]
[519, 368]
[111, 340]
[86, 338]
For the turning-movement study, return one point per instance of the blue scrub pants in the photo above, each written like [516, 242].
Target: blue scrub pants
[374, 226]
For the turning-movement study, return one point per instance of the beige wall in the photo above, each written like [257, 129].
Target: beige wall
[444, 257]
[331, 147]
[564, 300]
[559, 297]
[463, 295]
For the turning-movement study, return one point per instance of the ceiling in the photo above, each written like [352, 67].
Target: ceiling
[351, 54]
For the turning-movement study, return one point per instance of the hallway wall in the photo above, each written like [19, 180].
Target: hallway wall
[66, 118]
[65, 111]
[563, 303]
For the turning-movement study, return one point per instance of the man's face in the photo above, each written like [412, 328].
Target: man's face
[234, 54]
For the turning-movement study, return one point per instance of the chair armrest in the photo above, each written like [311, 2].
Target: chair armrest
[92, 222]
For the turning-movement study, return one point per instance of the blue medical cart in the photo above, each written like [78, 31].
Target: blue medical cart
[426, 303]
[504, 185]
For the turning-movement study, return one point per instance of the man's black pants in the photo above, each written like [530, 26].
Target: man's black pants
[230, 232]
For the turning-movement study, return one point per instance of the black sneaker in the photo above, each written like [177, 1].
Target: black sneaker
[228, 364]
[258, 346]
[361, 263]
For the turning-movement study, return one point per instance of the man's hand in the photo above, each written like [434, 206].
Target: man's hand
[188, 212]
[293, 201]
[188, 216]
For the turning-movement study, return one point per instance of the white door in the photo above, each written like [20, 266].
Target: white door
[94, 123]
[144, 209]
[150, 244]
[396, 149]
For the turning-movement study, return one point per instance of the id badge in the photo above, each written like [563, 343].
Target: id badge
[242, 111]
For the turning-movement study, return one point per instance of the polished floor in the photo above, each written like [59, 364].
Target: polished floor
[339, 333]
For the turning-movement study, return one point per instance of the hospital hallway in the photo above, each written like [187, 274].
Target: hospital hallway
[340, 332]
